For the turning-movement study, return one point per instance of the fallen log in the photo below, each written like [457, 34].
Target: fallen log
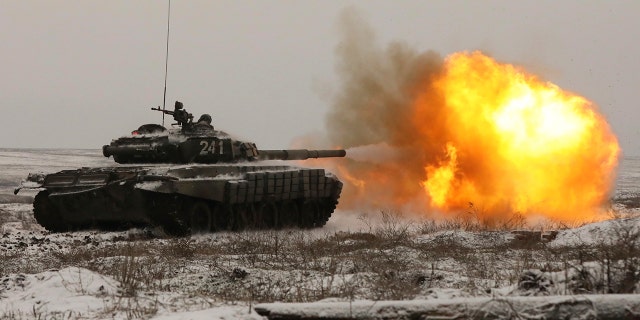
[613, 306]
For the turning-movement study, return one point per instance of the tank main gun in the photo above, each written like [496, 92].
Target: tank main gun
[299, 154]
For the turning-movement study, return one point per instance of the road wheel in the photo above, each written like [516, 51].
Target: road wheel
[244, 217]
[289, 214]
[267, 213]
[199, 217]
[221, 217]
[309, 214]
[255, 219]
[326, 208]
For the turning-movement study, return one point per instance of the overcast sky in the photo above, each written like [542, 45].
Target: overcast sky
[75, 74]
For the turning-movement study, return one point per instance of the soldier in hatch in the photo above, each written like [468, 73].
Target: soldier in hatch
[205, 121]
[180, 115]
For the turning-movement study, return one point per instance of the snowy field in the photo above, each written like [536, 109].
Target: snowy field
[141, 274]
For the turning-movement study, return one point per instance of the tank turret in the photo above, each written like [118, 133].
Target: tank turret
[195, 143]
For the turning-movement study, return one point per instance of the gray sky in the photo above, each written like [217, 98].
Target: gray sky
[75, 74]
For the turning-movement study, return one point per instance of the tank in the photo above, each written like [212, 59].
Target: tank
[187, 179]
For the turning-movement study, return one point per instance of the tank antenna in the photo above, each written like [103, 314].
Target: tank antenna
[166, 64]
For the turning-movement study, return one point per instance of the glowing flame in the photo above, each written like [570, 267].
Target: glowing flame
[441, 178]
[517, 144]
[470, 130]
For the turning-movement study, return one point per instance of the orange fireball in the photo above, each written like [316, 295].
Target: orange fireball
[515, 144]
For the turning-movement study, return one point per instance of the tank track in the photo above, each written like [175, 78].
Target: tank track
[181, 215]
[69, 212]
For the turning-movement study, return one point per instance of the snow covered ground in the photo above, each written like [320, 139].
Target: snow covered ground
[141, 274]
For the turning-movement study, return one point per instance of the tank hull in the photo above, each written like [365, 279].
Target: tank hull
[185, 199]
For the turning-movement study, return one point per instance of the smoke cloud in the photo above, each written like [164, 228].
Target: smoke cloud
[371, 115]
[378, 87]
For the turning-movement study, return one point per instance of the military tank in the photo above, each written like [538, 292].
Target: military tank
[187, 179]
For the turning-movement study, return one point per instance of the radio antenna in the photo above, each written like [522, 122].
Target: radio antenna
[166, 64]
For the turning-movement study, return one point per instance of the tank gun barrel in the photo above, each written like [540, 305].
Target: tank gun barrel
[299, 154]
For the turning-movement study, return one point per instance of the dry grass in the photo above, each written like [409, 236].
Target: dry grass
[391, 259]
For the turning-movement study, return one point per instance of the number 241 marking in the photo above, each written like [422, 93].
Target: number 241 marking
[208, 147]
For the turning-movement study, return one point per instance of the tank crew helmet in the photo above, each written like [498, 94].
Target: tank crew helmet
[205, 118]
[179, 105]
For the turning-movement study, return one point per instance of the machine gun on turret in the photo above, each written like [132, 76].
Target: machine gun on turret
[181, 116]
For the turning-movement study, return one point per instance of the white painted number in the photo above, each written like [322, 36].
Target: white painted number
[207, 147]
